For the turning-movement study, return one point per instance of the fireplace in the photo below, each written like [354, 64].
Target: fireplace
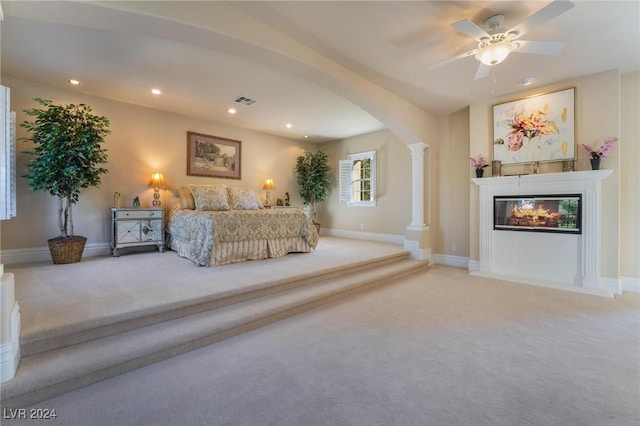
[538, 213]
[566, 257]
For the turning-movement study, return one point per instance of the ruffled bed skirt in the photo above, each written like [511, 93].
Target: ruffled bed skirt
[239, 251]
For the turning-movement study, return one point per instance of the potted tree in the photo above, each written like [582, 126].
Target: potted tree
[312, 172]
[67, 157]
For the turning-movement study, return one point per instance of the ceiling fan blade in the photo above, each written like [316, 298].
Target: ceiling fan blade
[545, 14]
[454, 58]
[472, 30]
[540, 47]
[483, 71]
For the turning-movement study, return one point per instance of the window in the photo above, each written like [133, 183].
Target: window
[358, 179]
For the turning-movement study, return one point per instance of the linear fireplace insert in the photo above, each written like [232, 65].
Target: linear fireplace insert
[538, 213]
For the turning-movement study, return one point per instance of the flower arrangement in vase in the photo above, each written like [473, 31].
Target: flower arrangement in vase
[595, 155]
[478, 163]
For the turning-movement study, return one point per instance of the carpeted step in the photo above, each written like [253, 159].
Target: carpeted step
[51, 373]
[74, 333]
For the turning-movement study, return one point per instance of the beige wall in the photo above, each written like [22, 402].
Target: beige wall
[598, 115]
[630, 176]
[142, 140]
[453, 201]
[392, 214]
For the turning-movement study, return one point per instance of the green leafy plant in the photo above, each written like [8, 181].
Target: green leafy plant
[312, 172]
[67, 156]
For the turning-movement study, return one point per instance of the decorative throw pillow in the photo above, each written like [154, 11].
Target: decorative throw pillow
[242, 199]
[258, 200]
[210, 197]
[186, 199]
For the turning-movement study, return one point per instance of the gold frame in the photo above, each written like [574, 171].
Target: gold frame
[213, 156]
[539, 128]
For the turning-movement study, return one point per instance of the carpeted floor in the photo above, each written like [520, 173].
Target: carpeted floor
[54, 296]
[437, 348]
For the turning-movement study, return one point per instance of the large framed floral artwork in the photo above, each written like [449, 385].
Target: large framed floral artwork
[535, 129]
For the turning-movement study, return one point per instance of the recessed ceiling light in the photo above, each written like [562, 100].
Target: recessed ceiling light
[156, 91]
[289, 125]
[306, 136]
[527, 81]
[74, 82]
[231, 110]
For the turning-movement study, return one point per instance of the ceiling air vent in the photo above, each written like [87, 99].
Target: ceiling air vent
[244, 101]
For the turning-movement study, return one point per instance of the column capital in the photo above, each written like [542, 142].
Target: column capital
[417, 147]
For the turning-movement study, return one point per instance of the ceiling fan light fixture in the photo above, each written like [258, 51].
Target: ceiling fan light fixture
[494, 53]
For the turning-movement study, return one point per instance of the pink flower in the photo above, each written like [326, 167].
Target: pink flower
[530, 126]
[603, 151]
[514, 141]
[478, 162]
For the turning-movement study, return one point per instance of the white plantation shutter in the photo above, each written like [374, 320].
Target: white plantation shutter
[373, 178]
[345, 180]
[350, 176]
[7, 157]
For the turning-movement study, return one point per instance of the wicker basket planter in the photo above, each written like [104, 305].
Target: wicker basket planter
[66, 250]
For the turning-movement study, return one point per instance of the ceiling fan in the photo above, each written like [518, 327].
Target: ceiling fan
[494, 46]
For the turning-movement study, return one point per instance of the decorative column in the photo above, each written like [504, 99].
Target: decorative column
[10, 327]
[591, 249]
[416, 239]
[417, 186]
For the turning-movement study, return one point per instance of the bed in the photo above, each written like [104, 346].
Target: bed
[217, 225]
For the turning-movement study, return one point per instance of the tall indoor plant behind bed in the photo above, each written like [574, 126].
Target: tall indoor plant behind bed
[67, 157]
[312, 172]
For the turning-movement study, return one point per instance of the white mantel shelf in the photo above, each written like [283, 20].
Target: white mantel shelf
[555, 260]
[591, 175]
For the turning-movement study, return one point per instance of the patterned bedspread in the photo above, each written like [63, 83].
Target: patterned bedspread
[215, 237]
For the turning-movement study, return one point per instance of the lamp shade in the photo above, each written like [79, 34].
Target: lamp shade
[269, 185]
[157, 180]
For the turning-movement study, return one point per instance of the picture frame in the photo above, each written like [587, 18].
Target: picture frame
[538, 128]
[213, 156]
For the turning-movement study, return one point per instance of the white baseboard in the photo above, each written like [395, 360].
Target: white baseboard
[474, 265]
[41, 254]
[630, 284]
[612, 284]
[416, 252]
[449, 260]
[359, 235]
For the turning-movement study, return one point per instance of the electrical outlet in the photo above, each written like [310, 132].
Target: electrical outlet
[361, 226]
[453, 248]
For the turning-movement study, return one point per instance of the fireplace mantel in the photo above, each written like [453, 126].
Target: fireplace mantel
[582, 176]
[567, 262]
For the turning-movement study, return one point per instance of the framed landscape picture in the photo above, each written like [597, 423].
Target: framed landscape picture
[213, 156]
[535, 129]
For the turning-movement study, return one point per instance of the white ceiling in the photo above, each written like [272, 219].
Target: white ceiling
[201, 67]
